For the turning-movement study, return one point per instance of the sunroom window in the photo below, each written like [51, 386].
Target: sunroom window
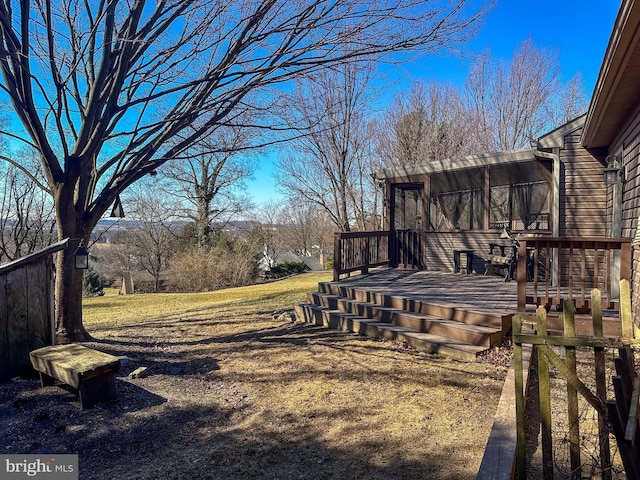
[457, 200]
[520, 206]
[460, 210]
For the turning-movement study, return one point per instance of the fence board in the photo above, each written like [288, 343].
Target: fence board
[521, 444]
[572, 394]
[17, 318]
[601, 384]
[545, 401]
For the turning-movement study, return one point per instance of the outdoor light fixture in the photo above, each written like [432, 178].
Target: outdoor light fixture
[82, 257]
[613, 172]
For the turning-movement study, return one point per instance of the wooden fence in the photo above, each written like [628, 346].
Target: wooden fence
[547, 346]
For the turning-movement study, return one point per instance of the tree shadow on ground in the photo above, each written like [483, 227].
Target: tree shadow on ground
[196, 442]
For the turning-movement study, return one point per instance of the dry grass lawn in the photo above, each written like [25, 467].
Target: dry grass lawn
[236, 392]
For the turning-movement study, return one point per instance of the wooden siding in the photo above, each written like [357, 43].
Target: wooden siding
[631, 204]
[439, 247]
[582, 191]
[26, 313]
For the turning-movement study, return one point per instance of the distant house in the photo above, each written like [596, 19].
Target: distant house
[311, 263]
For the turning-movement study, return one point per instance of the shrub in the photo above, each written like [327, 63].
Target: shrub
[197, 270]
[285, 269]
[92, 284]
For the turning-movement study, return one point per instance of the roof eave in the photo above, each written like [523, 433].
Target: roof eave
[464, 163]
[621, 43]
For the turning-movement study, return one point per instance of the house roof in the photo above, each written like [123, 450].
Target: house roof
[464, 163]
[616, 94]
[555, 138]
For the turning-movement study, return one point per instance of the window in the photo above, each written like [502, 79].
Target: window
[463, 209]
[520, 206]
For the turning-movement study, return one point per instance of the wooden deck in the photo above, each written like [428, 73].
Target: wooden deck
[490, 294]
[456, 314]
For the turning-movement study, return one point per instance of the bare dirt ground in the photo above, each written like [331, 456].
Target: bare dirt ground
[249, 396]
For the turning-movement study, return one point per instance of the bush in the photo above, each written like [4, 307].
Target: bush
[92, 284]
[198, 270]
[285, 269]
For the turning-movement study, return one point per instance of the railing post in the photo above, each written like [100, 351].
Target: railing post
[521, 275]
[337, 256]
[366, 256]
[393, 240]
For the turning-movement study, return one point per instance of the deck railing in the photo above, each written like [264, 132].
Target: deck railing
[359, 251]
[551, 270]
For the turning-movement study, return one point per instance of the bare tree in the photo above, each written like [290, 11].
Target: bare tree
[211, 177]
[27, 220]
[570, 102]
[104, 89]
[427, 123]
[510, 103]
[153, 236]
[325, 165]
[271, 231]
[309, 229]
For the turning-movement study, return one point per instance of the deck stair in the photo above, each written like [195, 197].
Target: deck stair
[462, 333]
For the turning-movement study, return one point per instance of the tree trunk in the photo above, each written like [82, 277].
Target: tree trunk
[203, 227]
[68, 295]
[68, 286]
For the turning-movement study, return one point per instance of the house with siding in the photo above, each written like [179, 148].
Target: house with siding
[553, 188]
[612, 130]
[571, 201]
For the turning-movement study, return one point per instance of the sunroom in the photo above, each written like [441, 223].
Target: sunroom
[465, 204]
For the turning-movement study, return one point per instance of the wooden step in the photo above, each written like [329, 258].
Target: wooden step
[425, 342]
[460, 313]
[472, 334]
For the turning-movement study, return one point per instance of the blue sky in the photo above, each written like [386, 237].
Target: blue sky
[578, 30]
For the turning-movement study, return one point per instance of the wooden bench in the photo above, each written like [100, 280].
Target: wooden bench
[91, 372]
[506, 259]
